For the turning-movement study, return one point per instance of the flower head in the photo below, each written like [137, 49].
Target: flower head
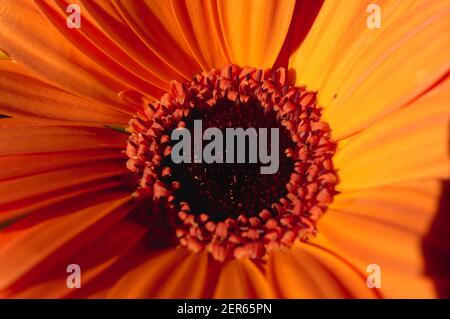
[87, 178]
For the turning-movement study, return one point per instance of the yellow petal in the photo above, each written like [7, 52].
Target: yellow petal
[386, 226]
[409, 144]
[363, 74]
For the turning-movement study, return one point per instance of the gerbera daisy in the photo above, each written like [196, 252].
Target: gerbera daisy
[85, 175]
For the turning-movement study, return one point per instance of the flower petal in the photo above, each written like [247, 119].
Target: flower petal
[305, 13]
[17, 189]
[99, 47]
[155, 275]
[154, 23]
[13, 211]
[362, 74]
[385, 226]
[31, 40]
[27, 137]
[26, 97]
[241, 278]
[17, 166]
[48, 278]
[42, 163]
[411, 143]
[254, 31]
[36, 237]
[199, 23]
[309, 272]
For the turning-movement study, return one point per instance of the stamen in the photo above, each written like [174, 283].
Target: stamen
[233, 211]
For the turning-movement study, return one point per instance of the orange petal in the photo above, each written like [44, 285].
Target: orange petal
[35, 166]
[26, 97]
[14, 190]
[101, 49]
[191, 287]
[11, 212]
[254, 31]
[4, 55]
[26, 137]
[308, 272]
[305, 13]
[241, 278]
[38, 236]
[16, 166]
[157, 275]
[409, 144]
[385, 226]
[199, 23]
[31, 40]
[168, 273]
[363, 74]
[154, 23]
[49, 281]
[42, 163]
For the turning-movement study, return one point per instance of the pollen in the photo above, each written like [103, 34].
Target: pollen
[232, 210]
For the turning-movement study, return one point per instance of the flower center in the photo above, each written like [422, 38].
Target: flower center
[223, 190]
[233, 210]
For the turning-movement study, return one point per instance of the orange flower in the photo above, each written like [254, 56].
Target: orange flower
[68, 195]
